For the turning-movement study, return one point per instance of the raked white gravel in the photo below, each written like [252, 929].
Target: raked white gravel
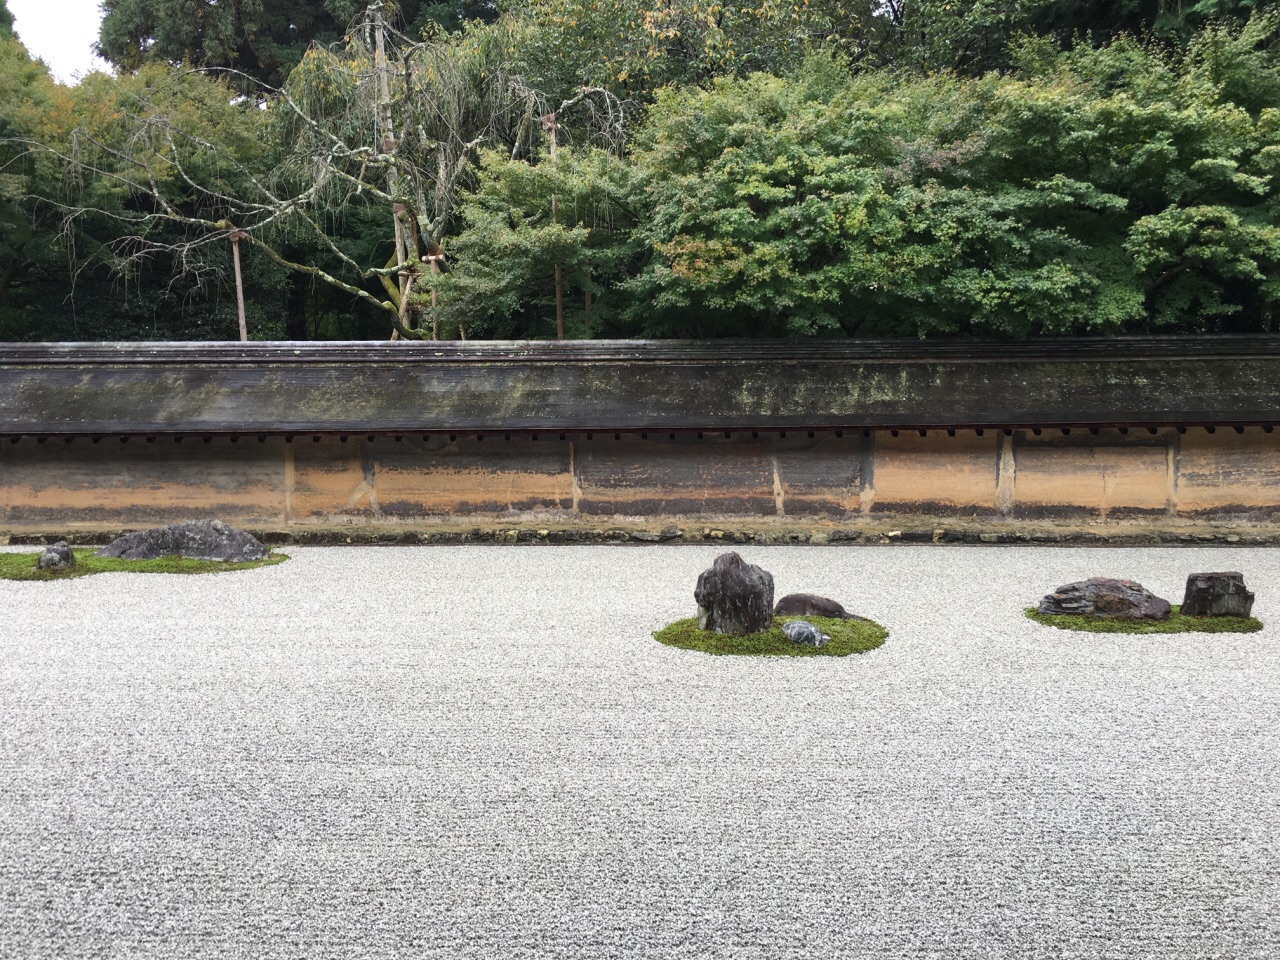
[481, 752]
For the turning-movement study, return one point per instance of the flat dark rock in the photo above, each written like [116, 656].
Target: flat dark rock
[1106, 597]
[810, 605]
[198, 540]
[1217, 595]
[734, 597]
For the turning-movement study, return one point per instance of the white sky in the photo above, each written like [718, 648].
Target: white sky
[61, 33]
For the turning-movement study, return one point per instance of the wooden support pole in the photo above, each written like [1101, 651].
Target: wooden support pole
[235, 259]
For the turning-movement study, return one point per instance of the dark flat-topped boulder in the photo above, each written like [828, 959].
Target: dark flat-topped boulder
[810, 605]
[734, 597]
[56, 557]
[1105, 597]
[199, 540]
[1217, 595]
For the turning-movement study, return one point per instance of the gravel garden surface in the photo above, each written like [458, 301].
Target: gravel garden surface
[482, 752]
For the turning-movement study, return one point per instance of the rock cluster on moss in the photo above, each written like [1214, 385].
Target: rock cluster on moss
[1214, 603]
[736, 615]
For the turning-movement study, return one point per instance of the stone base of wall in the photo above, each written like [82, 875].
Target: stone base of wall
[888, 534]
[1167, 484]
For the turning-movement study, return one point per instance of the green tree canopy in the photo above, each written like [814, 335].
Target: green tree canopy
[262, 38]
[1109, 189]
[808, 168]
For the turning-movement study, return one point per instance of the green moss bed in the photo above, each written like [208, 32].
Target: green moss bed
[847, 636]
[1174, 623]
[22, 566]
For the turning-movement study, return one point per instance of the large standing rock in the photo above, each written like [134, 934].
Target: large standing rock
[1217, 595]
[734, 597]
[57, 557]
[810, 605]
[199, 540]
[1105, 597]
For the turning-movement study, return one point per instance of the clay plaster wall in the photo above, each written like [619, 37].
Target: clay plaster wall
[274, 483]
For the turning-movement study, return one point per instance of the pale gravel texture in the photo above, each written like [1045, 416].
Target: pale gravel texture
[480, 752]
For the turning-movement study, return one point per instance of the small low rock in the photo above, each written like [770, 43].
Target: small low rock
[734, 597]
[56, 557]
[199, 540]
[810, 605]
[801, 631]
[1106, 597]
[1217, 595]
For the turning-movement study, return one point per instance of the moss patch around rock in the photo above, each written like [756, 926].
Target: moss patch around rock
[847, 636]
[22, 566]
[1174, 623]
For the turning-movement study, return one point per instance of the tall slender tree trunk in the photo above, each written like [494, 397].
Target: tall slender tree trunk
[235, 259]
[387, 138]
[553, 123]
[434, 266]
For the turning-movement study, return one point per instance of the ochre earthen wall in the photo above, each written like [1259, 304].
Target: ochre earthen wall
[274, 483]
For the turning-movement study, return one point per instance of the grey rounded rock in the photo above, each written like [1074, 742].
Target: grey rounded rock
[801, 631]
[57, 557]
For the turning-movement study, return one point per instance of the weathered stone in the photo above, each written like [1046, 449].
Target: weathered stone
[1105, 597]
[801, 631]
[57, 557]
[810, 605]
[199, 540]
[734, 596]
[1217, 595]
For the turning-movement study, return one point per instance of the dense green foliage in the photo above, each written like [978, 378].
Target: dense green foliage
[829, 168]
[22, 566]
[262, 38]
[1174, 623]
[1100, 190]
[847, 636]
